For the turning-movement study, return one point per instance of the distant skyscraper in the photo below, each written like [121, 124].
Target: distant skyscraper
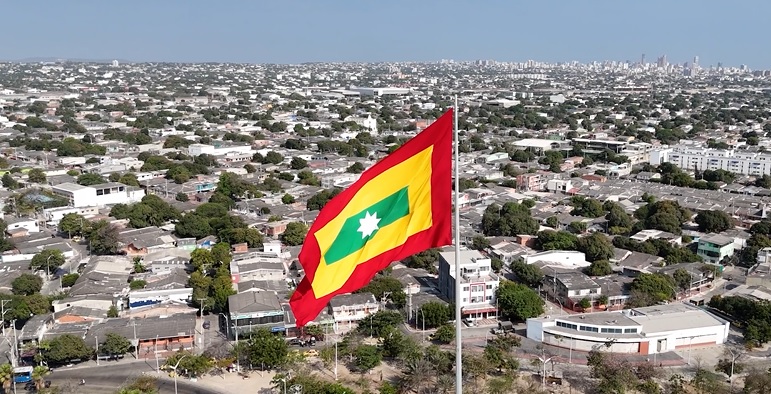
[695, 61]
[115, 63]
[642, 59]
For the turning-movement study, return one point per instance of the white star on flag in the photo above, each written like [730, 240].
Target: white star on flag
[368, 224]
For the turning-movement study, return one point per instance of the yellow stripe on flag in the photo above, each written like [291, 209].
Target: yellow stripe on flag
[414, 173]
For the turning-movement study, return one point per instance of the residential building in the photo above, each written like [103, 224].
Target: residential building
[255, 309]
[648, 331]
[531, 182]
[98, 195]
[256, 266]
[349, 309]
[478, 283]
[737, 162]
[562, 258]
[54, 215]
[713, 248]
[569, 287]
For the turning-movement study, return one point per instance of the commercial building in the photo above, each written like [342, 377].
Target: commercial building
[738, 162]
[713, 248]
[98, 195]
[479, 283]
[251, 310]
[649, 330]
[348, 309]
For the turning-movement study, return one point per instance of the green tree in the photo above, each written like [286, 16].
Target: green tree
[287, 199]
[294, 234]
[367, 357]
[318, 200]
[599, 268]
[587, 207]
[518, 301]
[26, 284]
[143, 384]
[381, 285]
[64, 348]
[527, 274]
[6, 376]
[273, 158]
[48, 260]
[72, 224]
[36, 175]
[577, 227]
[137, 284]
[267, 349]
[112, 312]
[202, 259]
[556, 240]
[657, 287]
[103, 237]
[479, 243]
[432, 314]
[444, 334]
[89, 179]
[682, 279]
[713, 221]
[509, 220]
[114, 345]
[298, 163]
[380, 322]
[39, 373]
[355, 168]
[69, 279]
[596, 247]
[182, 197]
[9, 182]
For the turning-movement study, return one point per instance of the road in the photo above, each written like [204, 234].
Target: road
[109, 378]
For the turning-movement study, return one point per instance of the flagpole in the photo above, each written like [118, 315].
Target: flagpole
[458, 338]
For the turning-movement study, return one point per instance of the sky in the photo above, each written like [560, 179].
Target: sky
[295, 31]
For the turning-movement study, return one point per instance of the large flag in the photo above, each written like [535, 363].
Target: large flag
[400, 206]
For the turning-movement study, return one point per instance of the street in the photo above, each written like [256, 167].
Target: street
[109, 378]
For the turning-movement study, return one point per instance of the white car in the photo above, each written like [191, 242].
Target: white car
[469, 322]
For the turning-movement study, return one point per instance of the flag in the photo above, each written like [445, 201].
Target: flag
[400, 206]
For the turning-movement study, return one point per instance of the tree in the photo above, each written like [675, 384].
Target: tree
[528, 274]
[756, 381]
[69, 279]
[36, 175]
[682, 279]
[6, 377]
[713, 221]
[39, 373]
[577, 227]
[202, 259]
[367, 357]
[318, 200]
[587, 207]
[381, 285]
[112, 312]
[596, 247]
[267, 349]
[287, 199]
[518, 301]
[114, 345]
[298, 163]
[585, 303]
[599, 268]
[273, 157]
[182, 197]
[103, 237]
[90, 179]
[72, 224]
[509, 220]
[48, 260]
[9, 182]
[380, 322]
[64, 348]
[479, 243]
[355, 168]
[142, 384]
[27, 284]
[444, 334]
[294, 234]
[556, 240]
[659, 287]
[433, 314]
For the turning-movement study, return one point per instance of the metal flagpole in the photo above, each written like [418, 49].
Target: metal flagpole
[458, 338]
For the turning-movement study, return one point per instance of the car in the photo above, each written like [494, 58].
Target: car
[469, 322]
[311, 353]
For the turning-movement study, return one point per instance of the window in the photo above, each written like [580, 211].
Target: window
[489, 298]
[465, 288]
[589, 329]
[630, 331]
[489, 287]
[567, 325]
[611, 330]
[465, 300]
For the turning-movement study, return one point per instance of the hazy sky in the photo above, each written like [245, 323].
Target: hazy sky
[292, 31]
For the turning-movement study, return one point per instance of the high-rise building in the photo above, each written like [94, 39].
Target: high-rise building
[695, 61]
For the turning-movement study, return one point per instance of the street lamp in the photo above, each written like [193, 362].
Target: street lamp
[543, 368]
[227, 325]
[48, 266]
[423, 316]
[175, 372]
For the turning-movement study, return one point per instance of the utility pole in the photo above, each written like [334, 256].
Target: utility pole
[2, 312]
[96, 342]
[203, 333]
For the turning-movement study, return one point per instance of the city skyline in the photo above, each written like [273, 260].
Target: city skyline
[346, 31]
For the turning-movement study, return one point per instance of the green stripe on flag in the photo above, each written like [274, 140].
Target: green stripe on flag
[350, 239]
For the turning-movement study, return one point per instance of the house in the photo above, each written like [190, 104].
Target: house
[479, 283]
[98, 195]
[141, 241]
[569, 287]
[254, 309]
[256, 266]
[713, 248]
[21, 227]
[155, 336]
[349, 309]
[167, 260]
[562, 258]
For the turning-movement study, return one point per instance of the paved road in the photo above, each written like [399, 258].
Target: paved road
[109, 378]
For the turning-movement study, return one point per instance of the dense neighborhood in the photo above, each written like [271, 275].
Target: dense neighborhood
[610, 214]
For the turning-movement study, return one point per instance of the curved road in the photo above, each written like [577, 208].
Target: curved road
[109, 378]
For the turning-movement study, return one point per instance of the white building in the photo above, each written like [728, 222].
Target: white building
[479, 283]
[54, 215]
[98, 195]
[562, 258]
[649, 330]
[738, 162]
[199, 149]
[349, 309]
